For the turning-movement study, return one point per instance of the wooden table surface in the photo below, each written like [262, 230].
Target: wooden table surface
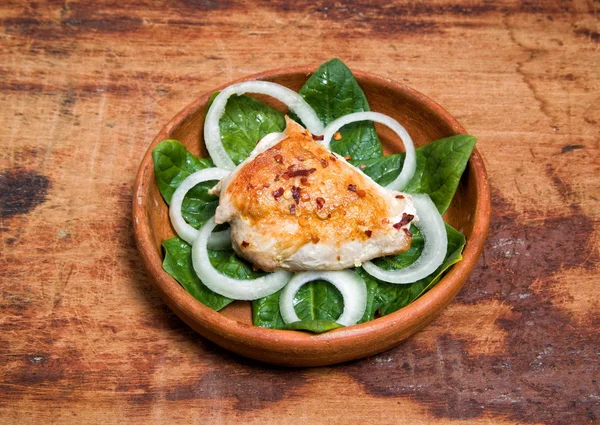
[85, 86]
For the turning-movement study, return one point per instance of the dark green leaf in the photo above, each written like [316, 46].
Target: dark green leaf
[178, 263]
[172, 165]
[385, 298]
[440, 165]
[229, 264]
[266, 313]
[333, 92]
[316, 326]
[244, 123]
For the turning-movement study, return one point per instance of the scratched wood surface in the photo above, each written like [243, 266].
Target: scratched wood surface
[85, 86]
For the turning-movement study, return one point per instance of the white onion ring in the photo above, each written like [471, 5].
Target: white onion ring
[225, 285]
[433, 230]
[212, 131]
[351, 286]
[219, 241]
[410, 161]
[183, 229]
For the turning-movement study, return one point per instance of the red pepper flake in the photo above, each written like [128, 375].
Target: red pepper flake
[361, 193]
[408, 232]
[324, 163]
[317, 137]
[293, 209]
[277, 193]
[301, 158]
[315, 238]
[333, 158]
[304, 180]
[385, 221]
[337, 135]
[368, 233]
[245, 244]
[348, 157]
[406, 218]
[352, 187]
[363, 166]
[266, 185]
[399, 197]
[249, 186]
[277, 177]
[304, 196]
[296, 194]
[297, 173]
[320, 202]
[278, 159]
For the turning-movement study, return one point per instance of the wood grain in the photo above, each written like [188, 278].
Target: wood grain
[86, 85]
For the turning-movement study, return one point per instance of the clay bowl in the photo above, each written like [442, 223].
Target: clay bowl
[232, 327]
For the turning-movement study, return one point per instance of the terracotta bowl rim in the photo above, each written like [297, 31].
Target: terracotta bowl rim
[427, 304]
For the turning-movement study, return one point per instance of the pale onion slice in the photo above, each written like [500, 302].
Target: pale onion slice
[351, 286]
[410, 161]
[183, 229]
[433, 230]
[212, 131]
[225, 285]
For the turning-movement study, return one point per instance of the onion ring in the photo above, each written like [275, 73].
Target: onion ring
[212, 131]
[433, 229]
[183, 229]
[410, 161]
[225, 285]
[352, 287]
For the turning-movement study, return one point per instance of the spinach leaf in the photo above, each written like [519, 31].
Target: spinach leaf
[172, 165]
[333, 92]
[440, 165]
[384, 298]
[315, 326]
[178, 263]
[266, 313]
[246, 121]
[315, 301]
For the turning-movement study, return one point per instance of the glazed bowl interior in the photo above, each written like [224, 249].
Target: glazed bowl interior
[232, 327]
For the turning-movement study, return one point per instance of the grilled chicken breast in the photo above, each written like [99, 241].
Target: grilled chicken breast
[297, 206]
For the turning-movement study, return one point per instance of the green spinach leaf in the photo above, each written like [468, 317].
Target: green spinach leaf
[333, 92]
[172, 165]
[246, 121]
[315, 326]
[385, 298]
[178, 263]
[440, 165]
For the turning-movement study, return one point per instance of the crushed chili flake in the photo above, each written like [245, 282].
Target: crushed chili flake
[315, 238]
[301, 158]
[406, 218]
[296, 173]
[245, 244]
[266, 185]
[296, 194]
[293, 209]
[385, 221]
[305, 196]
[333, 158]
[278, 158]
[361, 193]
[408, 232]
[324, 163]
[337, 135]
[317, 137]
[352, 187]
[277, 177]
[320, 202]
[277, 193]
[399, 197]
[304, 180]
[368, 233]
[348, 157]
[363, 166]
